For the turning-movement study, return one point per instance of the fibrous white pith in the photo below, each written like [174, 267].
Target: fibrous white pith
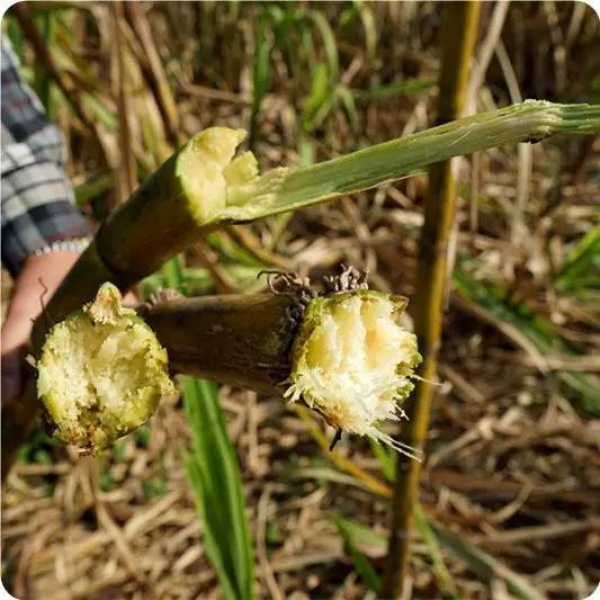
[353, 362]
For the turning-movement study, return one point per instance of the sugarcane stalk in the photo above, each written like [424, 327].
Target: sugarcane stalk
[233, 339]
[459, 32]
[342, 351]
[346, 356]
[202, 186]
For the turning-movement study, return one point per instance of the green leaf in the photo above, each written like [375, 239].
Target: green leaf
[368, 541]
[329, 42]
[486, 566]
[582, 266]
[261, 76]
[361, 562]
[42, 79]
[306, 152]
[173, 274]
[344, 95]
[89, 190]
[233, 251]
[215, 478]
[429, 536]
[392, 90]
[386, 457]
[368, 22]
[393, 160]
[319, 94]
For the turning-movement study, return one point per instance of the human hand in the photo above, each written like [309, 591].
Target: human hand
[40, 277]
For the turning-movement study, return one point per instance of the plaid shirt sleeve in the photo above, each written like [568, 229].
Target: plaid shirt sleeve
[37, 199]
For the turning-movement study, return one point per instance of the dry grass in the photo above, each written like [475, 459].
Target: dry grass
[513, 463]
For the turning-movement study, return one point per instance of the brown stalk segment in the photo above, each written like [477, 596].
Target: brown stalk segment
[459, 32]
[238, 339]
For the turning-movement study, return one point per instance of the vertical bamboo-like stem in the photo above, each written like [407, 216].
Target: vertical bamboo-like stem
[458, 35]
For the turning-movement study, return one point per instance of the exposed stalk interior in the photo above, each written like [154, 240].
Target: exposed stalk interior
[215, 179]
[353, 361]
[102, 373]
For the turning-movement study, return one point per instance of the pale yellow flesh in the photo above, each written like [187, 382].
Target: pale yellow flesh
[102, 373]
[103, 367]
[218, 182]
[356, 363]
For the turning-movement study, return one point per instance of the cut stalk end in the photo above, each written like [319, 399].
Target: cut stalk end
[353, 362]
[214, 181]
[101, 373]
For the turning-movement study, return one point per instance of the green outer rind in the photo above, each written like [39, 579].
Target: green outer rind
[529, 121]
[166, 213]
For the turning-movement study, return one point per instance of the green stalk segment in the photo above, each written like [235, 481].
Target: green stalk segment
[181, 199]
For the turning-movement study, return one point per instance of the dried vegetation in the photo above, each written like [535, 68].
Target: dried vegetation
[513, 464]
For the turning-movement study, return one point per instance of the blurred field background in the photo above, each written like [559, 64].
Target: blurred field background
[510, 495]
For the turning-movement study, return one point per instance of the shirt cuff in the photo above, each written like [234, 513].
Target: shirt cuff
[37, 210]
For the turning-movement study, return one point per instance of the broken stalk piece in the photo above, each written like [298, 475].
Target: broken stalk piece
[343, 353]
[101, 373]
